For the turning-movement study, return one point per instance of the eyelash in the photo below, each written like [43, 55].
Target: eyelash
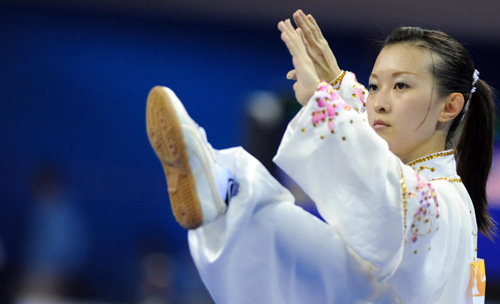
[400, 83]
[398, 86]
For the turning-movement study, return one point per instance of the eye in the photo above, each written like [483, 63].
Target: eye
[372, 88]
[400, 86]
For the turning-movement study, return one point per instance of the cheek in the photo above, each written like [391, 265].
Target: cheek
[370, 110]
[417, 119]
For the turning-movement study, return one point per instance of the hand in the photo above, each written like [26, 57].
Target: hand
[317, 47]
[306, 76]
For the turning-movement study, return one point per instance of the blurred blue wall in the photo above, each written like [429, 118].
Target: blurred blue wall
[73, 88]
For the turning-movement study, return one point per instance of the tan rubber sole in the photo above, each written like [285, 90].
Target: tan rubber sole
[165, 136]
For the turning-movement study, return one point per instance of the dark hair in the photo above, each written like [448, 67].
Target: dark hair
[453, 71]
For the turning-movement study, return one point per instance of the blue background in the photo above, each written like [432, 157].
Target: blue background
[73, 88]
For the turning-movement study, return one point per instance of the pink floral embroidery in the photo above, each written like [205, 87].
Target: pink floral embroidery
[359, 93]
[325, 87]
[428, 211]
[330, 104]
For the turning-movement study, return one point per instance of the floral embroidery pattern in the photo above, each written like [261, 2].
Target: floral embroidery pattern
[330, 104]
[428, 211]
[359, 93]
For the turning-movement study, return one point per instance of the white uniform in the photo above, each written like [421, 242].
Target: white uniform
[394, 233]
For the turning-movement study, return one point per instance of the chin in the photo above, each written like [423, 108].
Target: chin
[381, 133]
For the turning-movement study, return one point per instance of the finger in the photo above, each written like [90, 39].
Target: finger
[291, 75]
[304, 40]
[300, 20]
[285, 39]
[289, 25]
[292, 48]
[286, 27]
[293, 43]
[296, 17]
[293, 36]
[315, 25]
[281, 26]
[301, 35]
[310, 26]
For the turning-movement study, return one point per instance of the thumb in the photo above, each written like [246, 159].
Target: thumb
[291, 75]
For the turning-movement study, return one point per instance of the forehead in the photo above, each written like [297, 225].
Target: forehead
[404, 58]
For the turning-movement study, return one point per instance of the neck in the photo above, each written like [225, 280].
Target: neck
[434, 144]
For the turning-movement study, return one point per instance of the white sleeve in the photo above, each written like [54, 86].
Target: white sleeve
[359, 186]
[353, 92]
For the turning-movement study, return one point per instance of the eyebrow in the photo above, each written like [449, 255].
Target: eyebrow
[395, 74]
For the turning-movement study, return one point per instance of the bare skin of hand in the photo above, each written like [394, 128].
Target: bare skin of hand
[306, 76]
[317, 47]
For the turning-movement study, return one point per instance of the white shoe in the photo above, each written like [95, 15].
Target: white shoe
[187, 158]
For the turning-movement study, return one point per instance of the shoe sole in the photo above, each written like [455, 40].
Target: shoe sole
[165, 135]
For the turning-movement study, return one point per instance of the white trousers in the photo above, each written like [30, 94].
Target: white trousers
[265, 249]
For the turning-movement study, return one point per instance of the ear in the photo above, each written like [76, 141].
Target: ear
[452, 107]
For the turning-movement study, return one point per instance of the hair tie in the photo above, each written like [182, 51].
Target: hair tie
[475, 77]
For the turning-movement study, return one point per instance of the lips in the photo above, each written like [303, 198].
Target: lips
[380, 124]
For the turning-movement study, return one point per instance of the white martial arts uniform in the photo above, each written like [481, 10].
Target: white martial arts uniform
[395, 233]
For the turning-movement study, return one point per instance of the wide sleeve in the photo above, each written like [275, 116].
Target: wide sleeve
[353, 92]
[383, 210]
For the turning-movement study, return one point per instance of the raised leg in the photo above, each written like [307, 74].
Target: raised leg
[265, 249]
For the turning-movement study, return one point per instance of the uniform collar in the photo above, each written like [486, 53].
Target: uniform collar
[440, 165]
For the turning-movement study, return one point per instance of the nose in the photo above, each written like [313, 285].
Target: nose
[381, 102]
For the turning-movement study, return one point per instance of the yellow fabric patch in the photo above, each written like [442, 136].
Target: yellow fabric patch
[478, 280]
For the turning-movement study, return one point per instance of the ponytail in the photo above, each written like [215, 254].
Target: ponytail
[474, 152]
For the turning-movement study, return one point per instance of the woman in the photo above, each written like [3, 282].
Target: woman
[401, 225]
